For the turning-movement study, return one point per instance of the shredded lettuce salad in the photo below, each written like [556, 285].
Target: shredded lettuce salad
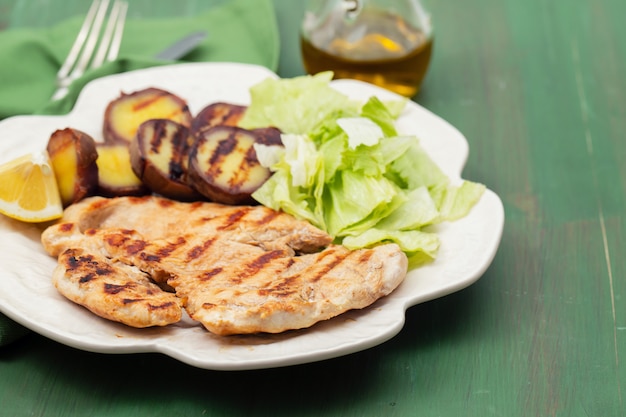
[345, 168]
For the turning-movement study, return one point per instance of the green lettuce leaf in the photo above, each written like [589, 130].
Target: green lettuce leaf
[345, 169]
[412, 241]
[294, 105]
[355, 202]
[378, 112]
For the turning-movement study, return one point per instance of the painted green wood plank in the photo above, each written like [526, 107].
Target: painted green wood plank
[542, 111]
[543, 333]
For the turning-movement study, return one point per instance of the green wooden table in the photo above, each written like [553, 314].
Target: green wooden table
[538, 87]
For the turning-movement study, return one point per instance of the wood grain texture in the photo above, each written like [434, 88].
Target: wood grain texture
[539, 89]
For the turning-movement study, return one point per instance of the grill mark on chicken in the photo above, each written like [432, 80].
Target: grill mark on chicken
[152, 307]
[119, 240]
[281, 288]
[163, 306]
[194, 205]
[169, 248]
[116, 289]
[207, 275]
[197, 251]
[74, 262]
[328, 260]
[102, 203]
[365, 257]
[86, 278]
[87, 262]
[257, 264]
[165, 203]
[267, 218]
[233, 218]
[136, 247]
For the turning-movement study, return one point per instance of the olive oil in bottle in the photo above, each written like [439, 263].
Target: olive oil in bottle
[378, 47]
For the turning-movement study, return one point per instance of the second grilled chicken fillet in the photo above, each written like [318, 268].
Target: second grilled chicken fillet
[271, 293]
[155, 217]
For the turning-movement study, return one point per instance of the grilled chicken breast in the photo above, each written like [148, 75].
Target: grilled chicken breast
[236, 270]
[272, 293]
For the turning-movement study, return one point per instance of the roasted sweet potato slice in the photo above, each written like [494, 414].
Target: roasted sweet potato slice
[268, 136]
[159, 155]
[124, 115]
[73, 155]
[223, 165]
[217, 114]
[115, 174]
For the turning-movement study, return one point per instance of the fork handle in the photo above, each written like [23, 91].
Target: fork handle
[60, 93]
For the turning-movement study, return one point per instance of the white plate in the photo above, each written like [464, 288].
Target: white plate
[27, 295]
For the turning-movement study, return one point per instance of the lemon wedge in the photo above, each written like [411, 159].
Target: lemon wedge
[28, 189]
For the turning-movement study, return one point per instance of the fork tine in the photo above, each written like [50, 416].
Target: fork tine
[92, 40]
[80, 40]
[119, 31]
[112, 37]
[82, 50]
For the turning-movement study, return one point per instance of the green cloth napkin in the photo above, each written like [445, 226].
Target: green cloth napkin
[237, 31]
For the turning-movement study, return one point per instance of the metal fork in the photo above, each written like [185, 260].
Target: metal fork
[81, 55]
